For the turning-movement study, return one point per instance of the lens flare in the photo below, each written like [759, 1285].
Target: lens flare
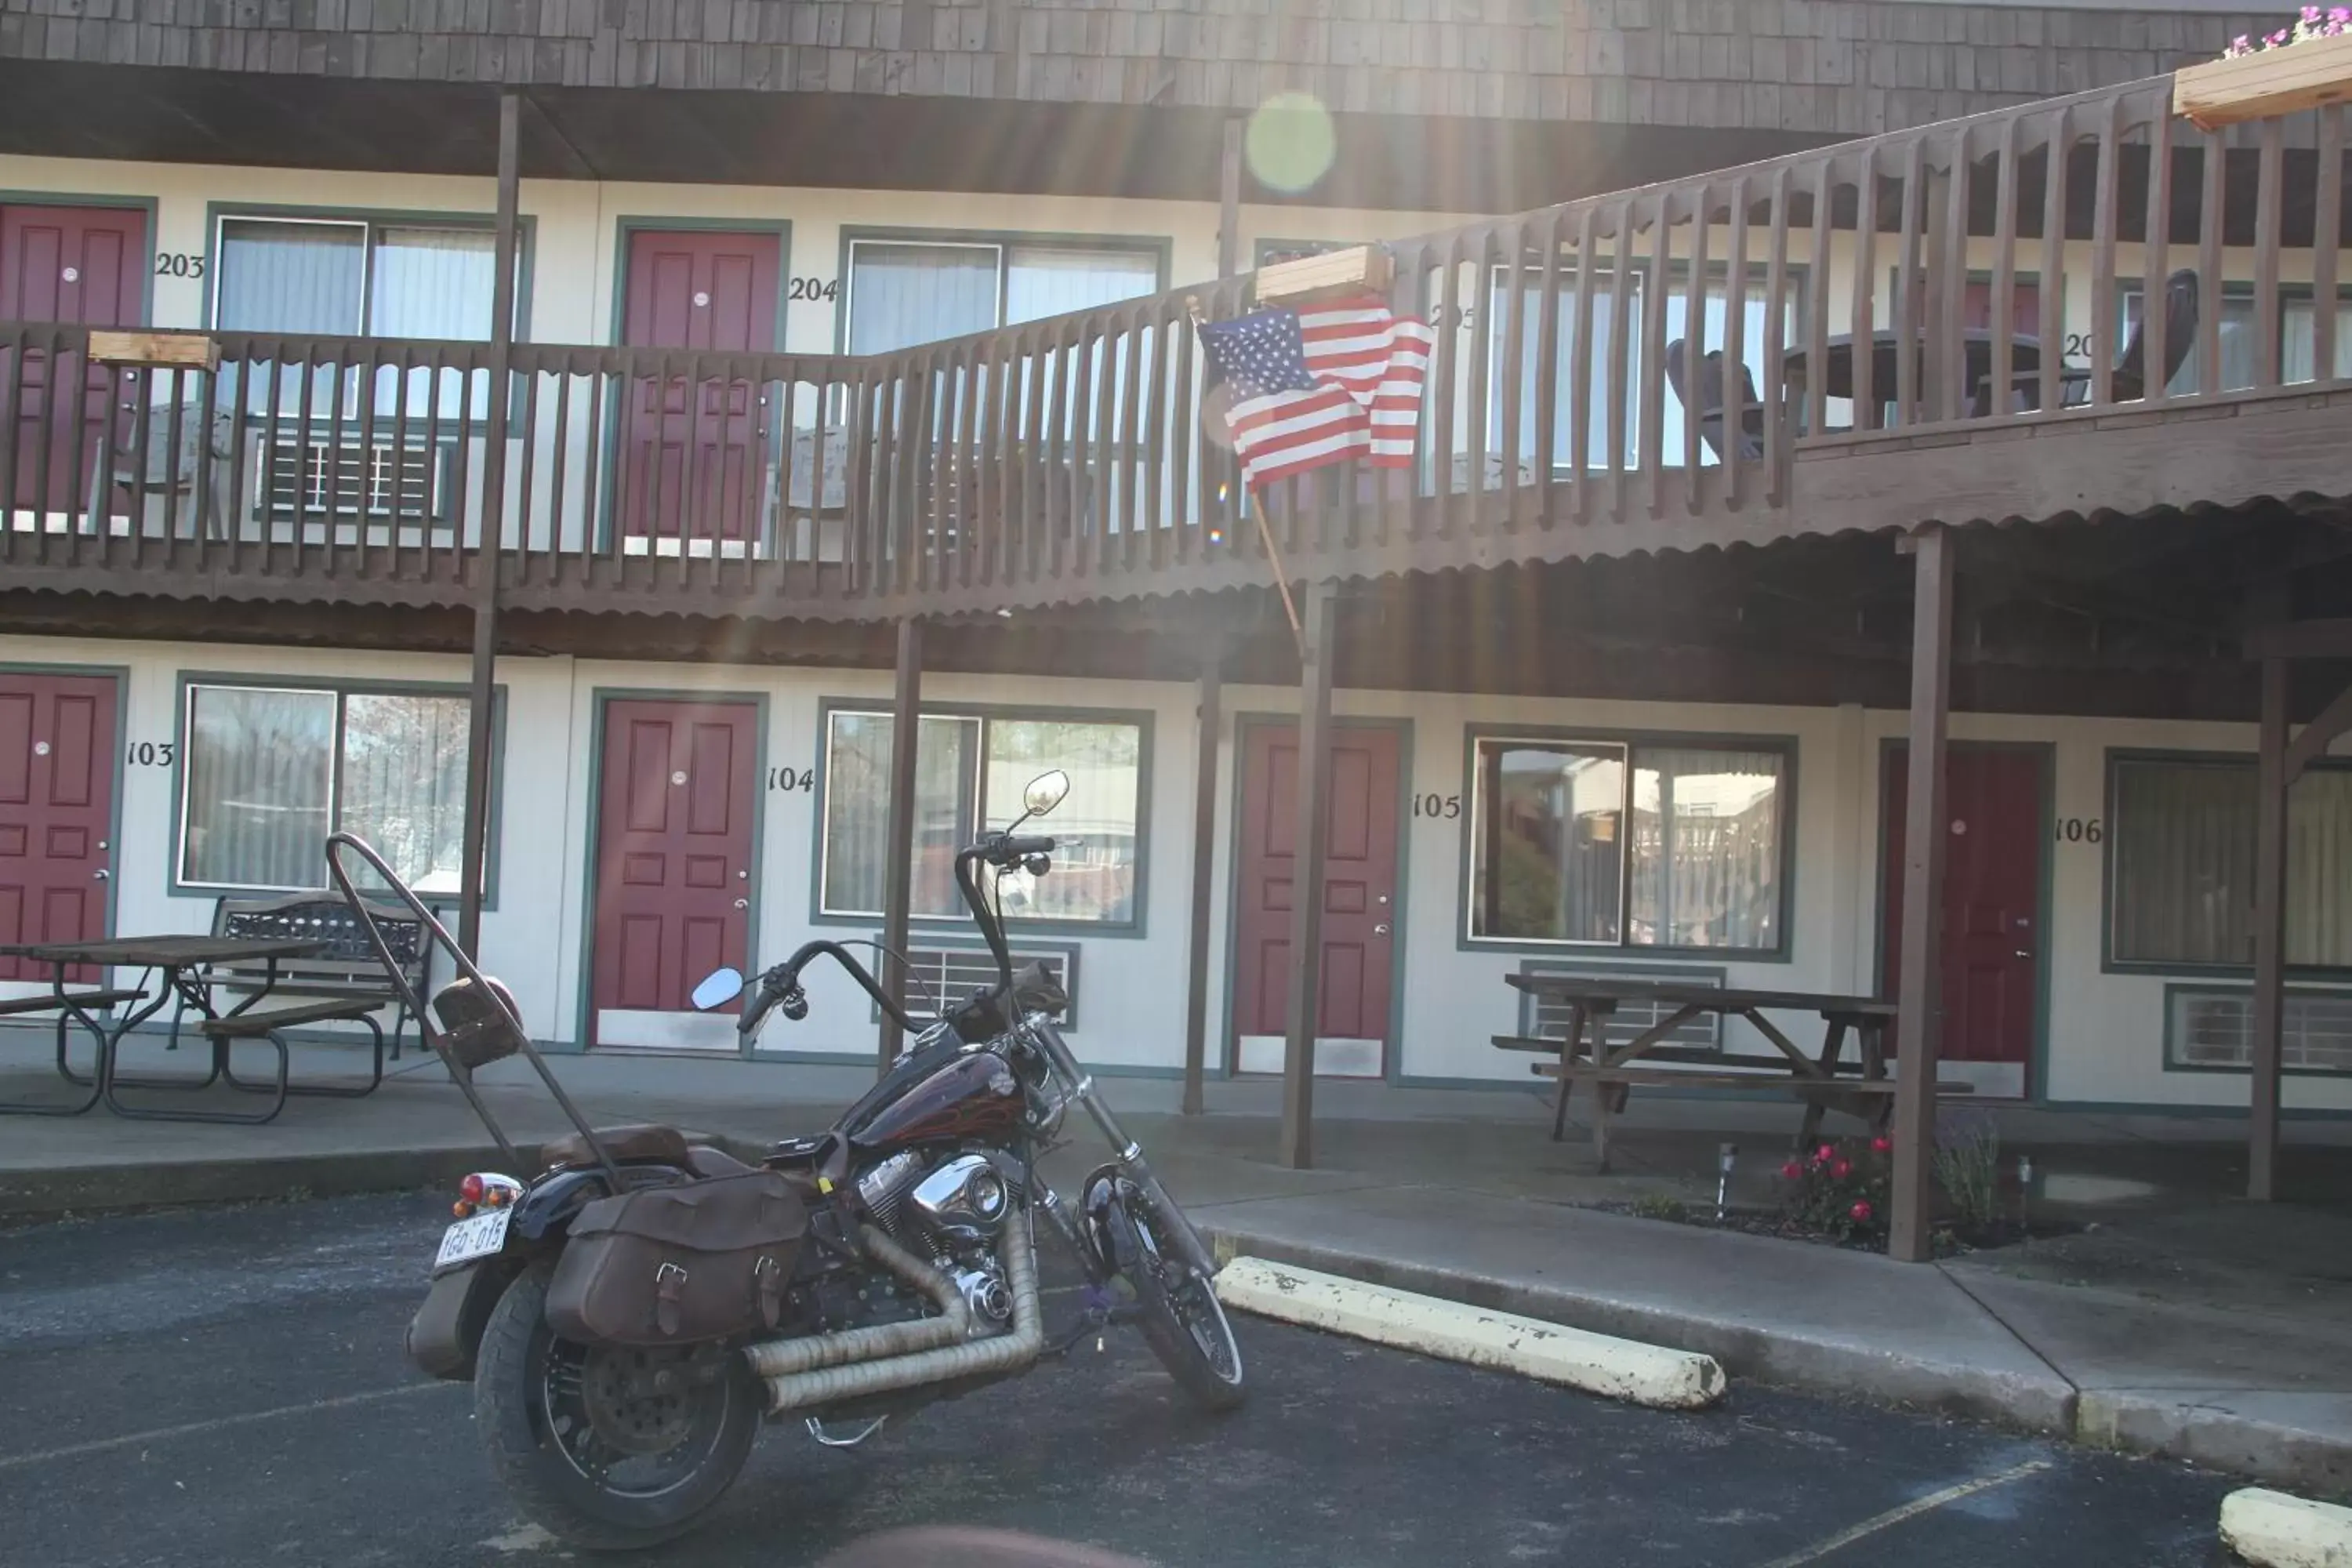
[1290, 142]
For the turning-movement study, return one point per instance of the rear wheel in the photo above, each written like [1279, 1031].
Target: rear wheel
[1181, 1319]
[608, 1449]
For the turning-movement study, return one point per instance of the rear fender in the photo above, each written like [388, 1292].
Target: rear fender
[446, 1332]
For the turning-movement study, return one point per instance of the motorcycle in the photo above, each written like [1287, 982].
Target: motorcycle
[630, 1315]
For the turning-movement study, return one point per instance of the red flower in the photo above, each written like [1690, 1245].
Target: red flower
[1882, 1145]
[1792, 1170]
[1824, 1155]
[1861, 1213]
[1842, 1170]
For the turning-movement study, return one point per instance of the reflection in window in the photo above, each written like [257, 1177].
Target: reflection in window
[1670, 845]
[970, 773]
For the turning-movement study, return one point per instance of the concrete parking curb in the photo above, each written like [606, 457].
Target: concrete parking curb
[1596, 1363]
[2183, 1424]
[2272, 1530]
[1835, 1366]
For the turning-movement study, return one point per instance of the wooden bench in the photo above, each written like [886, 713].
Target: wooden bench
[266, 1025]
[70, 1006]
[348, 970]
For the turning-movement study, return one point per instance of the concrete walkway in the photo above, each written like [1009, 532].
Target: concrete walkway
[2180, 1323]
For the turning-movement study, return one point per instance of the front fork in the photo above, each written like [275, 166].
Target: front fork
[1128, 1160]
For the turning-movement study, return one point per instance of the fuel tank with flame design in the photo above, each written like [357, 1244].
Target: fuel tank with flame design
[939, 1095]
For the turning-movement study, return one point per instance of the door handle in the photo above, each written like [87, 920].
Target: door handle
[1381, 928]
[742, 903]
[100, 875]
[2021, 952]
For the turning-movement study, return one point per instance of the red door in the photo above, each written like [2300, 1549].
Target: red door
[691, 466]
[673, 868]
[56, 811]
[1360, 911]
[1992, 899]
[87, 265]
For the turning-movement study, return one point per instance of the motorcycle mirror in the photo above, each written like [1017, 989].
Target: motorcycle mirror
[1045, 791]
[717, 988]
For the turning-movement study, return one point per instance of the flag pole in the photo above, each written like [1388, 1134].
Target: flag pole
[1264, 533]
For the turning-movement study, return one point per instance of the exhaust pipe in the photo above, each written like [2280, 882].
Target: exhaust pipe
[808, 1353]
[830, 1381]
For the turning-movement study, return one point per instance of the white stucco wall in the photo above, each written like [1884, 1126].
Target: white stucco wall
[2104, 1031]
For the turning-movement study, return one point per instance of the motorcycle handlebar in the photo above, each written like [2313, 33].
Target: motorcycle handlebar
[781, 984]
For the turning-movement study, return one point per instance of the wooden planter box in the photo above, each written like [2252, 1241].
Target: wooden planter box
[2265, 84]
[1360, 269]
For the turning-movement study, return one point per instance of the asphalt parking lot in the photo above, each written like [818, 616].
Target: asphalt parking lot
[227, 1387]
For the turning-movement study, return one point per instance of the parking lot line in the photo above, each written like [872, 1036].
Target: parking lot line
[1912, 1510]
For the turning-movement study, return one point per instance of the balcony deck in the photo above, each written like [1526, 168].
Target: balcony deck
[1577, 406]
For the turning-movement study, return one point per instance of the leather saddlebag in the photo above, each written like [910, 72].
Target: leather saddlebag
[667, 1265]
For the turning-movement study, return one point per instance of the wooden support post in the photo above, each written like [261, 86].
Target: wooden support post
[481, 735]
[1229, 201]
[1919, 1017]
[2270, 934]
[1309, 851]
[899, 864]
[1205, 872]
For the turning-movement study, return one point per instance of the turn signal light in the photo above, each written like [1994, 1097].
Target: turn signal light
[462, 1209]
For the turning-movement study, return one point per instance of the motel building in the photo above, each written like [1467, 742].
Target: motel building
[850, 385]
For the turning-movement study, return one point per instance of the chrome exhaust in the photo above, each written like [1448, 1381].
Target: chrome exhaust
[829, 1380]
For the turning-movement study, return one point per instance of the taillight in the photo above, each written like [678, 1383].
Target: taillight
[471, 1189]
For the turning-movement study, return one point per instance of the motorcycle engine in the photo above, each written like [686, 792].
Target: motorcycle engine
[946, 1207]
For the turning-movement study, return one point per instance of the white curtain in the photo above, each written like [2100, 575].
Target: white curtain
[857, 811]
[294, 278]
[903, 294]
[1568, 362]
[2298, 358]
[1704, 857]
[260, 781]
[2183, 842]
[432, 283]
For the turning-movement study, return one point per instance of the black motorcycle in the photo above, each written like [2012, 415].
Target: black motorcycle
[631, 1313]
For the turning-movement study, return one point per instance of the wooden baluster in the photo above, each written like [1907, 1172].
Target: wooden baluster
[2327, 237]
[1547, 386]
[2156, 267]
[1735, 355]
[2266, 253]
[2053, 253]
[2001, 379]
[2104, 203]
[1864, 326]
[1778, 321]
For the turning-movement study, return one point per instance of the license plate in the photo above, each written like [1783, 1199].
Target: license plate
[470, 1238]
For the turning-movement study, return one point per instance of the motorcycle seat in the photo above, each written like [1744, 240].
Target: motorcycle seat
[708, 1161]
[645, 1140]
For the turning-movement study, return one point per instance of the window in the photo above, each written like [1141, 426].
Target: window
[1662, 844]
[905, 292]
[359, 278]
[271, 772]
[970, 771]
[1595, 361]
[2298, 340]
[354, 277]
[2181, 863]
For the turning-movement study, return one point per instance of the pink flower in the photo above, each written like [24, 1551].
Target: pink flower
[2277, 39]
[1861, 1213]
[2311, 14]
[1824, 1155]
[1842, 1169]
[1882, 1145]
[1792, 1170]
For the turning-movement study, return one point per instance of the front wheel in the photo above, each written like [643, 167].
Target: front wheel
[609, 1450]
[1181, 1319]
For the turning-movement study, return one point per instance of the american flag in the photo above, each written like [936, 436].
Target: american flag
[1321, 385]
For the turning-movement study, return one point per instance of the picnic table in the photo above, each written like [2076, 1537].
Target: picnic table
[184, 965]
[1825, 1081]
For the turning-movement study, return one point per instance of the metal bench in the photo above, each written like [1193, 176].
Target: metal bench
[348, 970]
[71, 1007]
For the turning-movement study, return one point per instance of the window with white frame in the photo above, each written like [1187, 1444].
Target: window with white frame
[270, 772]
[1659, 843]
[970, 771]
[2180, 863]
[903, 293]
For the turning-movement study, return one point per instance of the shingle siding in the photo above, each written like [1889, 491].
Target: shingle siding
[1850, 66]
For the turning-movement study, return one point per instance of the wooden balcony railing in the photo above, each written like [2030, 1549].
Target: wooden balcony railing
[1699, 362]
